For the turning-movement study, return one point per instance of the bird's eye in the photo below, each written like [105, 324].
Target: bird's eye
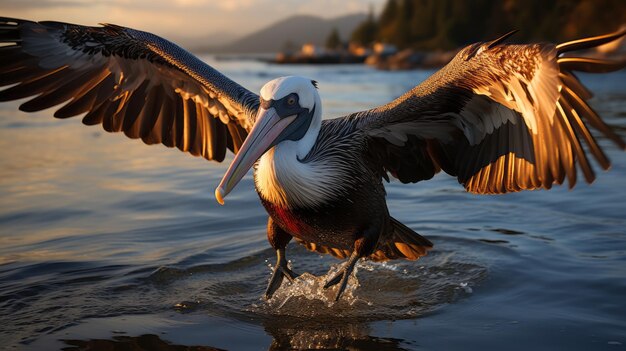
[291, 100]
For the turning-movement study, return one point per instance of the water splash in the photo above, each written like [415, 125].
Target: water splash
[377, 290]
[308, 290]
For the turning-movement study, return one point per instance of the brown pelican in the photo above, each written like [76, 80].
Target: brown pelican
[499, 117]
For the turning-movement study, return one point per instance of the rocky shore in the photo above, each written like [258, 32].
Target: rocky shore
[384, 58]
[410, 59]
[387, 57]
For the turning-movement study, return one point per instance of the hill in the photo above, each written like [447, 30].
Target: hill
[293, 31]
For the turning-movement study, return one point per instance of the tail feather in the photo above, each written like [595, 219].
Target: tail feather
[402, 242]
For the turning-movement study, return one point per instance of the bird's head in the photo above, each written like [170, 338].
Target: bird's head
[289, 108]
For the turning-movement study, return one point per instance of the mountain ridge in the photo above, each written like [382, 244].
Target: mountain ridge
[291, 31]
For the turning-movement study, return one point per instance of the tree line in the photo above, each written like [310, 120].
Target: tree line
[449, 24]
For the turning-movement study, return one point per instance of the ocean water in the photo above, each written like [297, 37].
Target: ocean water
[108, 244]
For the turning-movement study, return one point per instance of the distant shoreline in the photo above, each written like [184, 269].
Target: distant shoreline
[403, 60]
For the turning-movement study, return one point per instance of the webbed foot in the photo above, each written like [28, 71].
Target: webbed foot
[342, 276]
[280, 271]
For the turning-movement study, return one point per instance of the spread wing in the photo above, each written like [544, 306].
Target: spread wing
[126, 80]
[499, 117]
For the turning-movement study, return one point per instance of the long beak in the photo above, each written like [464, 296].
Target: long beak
[262, 137]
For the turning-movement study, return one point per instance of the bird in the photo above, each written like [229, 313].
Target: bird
[499, 117]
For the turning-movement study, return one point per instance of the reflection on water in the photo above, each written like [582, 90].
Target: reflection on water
[109, 244]
[131, 343]
[291, 336]
[296, 335]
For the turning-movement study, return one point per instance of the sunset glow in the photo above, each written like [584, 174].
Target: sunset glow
[182, 20]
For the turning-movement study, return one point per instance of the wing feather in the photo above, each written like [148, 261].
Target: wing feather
[64, 92]
[127, 80]
[501, 118]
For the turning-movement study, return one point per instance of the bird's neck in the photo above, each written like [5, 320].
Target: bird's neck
[284, 180]
[304, 145]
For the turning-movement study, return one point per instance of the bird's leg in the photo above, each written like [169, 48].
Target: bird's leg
[279, 239]
[343, 275]
[280, 271]
[363, 246]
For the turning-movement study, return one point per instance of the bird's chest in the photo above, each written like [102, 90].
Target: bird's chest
[335, 226]
[327, 201]
[281, 179]
[298, 197]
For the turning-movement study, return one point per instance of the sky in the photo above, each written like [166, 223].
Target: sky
[180, 19]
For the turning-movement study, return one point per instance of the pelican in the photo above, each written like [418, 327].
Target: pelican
[499, 117]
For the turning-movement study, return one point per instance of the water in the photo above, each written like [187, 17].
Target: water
[107, 243]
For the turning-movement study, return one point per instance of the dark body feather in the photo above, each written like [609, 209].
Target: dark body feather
[358, 208]
[336, 222]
